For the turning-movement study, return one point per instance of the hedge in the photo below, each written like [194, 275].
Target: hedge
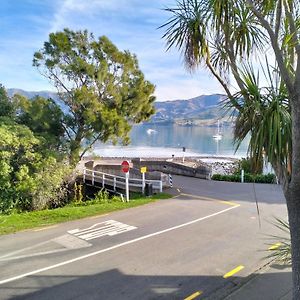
[268, 178]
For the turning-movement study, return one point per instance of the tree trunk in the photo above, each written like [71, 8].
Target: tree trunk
[75, 148]
[293, 205]
[292, 194]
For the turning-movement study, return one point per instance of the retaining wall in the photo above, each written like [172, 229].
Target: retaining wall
[169, 167]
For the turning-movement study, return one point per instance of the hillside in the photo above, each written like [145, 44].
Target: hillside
[200, 111]
[30, 94]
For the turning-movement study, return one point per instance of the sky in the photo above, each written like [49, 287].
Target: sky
[130, 24]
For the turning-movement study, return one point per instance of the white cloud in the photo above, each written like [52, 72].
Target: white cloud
[130, 24]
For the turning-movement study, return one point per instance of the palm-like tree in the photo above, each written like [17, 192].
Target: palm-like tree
[264, 114]
[224, 36]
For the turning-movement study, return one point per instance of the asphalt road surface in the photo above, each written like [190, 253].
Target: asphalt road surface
[199, 244]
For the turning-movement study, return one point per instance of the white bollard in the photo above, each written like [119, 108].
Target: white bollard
[170, 180]
[84, 174]
[143, 183]
[242, 176]
[115, 183]
[127, 186]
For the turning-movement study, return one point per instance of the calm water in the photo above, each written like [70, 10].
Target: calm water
[165, 140]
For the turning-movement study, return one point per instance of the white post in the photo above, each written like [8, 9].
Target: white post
[242, 176]
[115, 183]
[143, 183]
[103, 180]
[160, 186]
[127, 186]
[93, 180]
[183, 157]
[170, 180]
[84, 173]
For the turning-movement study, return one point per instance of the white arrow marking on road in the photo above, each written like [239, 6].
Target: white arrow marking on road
[97, 230]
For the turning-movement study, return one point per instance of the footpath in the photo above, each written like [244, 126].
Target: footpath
[272, 282]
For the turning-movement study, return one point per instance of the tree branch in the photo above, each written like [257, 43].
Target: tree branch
[90, 145]
[223, 83]
[278, 53]
[278, 19]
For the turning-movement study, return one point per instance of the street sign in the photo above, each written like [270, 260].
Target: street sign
[143, 169]
[125, 166]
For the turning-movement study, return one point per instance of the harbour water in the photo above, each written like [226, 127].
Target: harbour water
[154, 140]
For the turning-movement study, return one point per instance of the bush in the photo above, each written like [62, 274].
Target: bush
[249, 166]
[268, 178]
[101, 197]
[29, 178]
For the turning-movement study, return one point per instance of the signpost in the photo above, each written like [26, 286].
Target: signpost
[125, 169]
[143, 171]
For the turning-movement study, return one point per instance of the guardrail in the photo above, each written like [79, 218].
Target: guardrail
[118, 182]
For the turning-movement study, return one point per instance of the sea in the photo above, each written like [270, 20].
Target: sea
[167, 140]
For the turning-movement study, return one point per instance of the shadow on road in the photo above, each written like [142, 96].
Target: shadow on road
[114, 284]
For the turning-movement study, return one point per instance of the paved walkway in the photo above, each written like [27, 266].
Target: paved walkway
[273, 282]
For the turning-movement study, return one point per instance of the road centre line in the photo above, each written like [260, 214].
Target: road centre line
[211, 199]
[194, 296]
[234, 271]
[115, 246]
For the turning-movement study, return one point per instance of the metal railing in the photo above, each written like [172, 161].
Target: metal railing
[118, 182]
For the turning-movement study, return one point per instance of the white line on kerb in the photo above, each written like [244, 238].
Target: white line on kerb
[114, 247]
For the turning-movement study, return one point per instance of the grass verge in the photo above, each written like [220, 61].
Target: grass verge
[27, 220]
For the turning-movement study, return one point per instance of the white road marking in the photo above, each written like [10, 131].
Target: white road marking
[114, 247]
[67, 242]
[97, 230]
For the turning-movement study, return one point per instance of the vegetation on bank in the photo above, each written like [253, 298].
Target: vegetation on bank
[250, 175]
[102, 204]
[257, 178]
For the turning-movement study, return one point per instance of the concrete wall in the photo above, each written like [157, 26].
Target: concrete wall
[169, 167]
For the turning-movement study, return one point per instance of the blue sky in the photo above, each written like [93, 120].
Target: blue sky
[130, 24]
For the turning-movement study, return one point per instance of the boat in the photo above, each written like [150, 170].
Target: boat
[151, 131]
[218, 136]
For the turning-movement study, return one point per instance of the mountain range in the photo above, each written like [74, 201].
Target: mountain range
[203, 110]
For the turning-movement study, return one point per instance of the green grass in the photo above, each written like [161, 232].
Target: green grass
[27, 220]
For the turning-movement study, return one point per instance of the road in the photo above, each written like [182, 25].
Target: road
[172, 249]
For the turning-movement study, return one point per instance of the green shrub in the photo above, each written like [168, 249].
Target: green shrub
[268, 178]
[244, 164]
[29, 178]
[249, 166]
[101, 197]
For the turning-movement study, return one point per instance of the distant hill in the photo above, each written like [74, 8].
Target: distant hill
[201, 111]
[31, 94]
[190, 108]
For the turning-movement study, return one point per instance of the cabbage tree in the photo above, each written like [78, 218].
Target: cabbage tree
[226, 36]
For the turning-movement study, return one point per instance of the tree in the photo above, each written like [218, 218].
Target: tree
[225, 36]
[29, 178]
[6, 106]
[44, 118]
[101, 88]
